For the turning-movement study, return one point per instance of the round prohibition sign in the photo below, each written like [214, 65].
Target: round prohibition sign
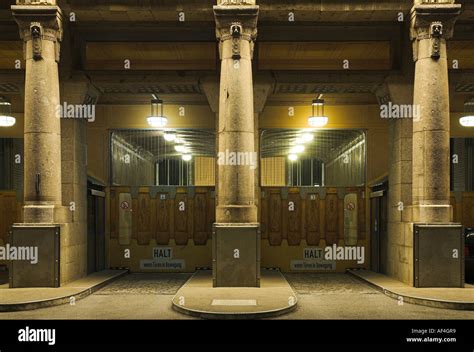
[125, 205]
[350, 206]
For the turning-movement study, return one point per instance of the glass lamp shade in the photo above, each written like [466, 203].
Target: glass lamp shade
[7, 121]
[317, 121]
[157, 121]
[157, 118]
[467, 121]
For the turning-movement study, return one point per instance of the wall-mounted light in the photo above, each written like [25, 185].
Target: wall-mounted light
[6, 118]
[157, 119]
[468, 119]
[317, 119]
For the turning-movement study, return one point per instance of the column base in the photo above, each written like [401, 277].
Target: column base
[46, 214]
[42, 214]
[239, 214]
[426, 213]
[236, 255]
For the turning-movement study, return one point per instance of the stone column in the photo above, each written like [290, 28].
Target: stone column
[40, 29]
[435, 238]
[431, 25]
[236, 254]
[236, 31]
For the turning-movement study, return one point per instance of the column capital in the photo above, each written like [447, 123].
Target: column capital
[236, 20]
[39, 21]
[433, 20]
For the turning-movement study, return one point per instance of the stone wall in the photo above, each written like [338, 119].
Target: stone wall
[74, 197]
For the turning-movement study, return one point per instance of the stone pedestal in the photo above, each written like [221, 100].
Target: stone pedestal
[236, 208]
[439, 255]
[236, 255]
[41, 243]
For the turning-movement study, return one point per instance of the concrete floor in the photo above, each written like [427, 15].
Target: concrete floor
[200, 299]
[32, 298]
[321, 296]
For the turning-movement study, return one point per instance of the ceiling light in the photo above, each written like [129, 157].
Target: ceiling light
[6, 119]
[299, 140]
[186, 157]
[304, 138]
[170, 137]
[318, 102]
[307, 137]
[157, 119]
[468, 119]
[180, 148]
[293, 157]
[297, 149]
[317, 119]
